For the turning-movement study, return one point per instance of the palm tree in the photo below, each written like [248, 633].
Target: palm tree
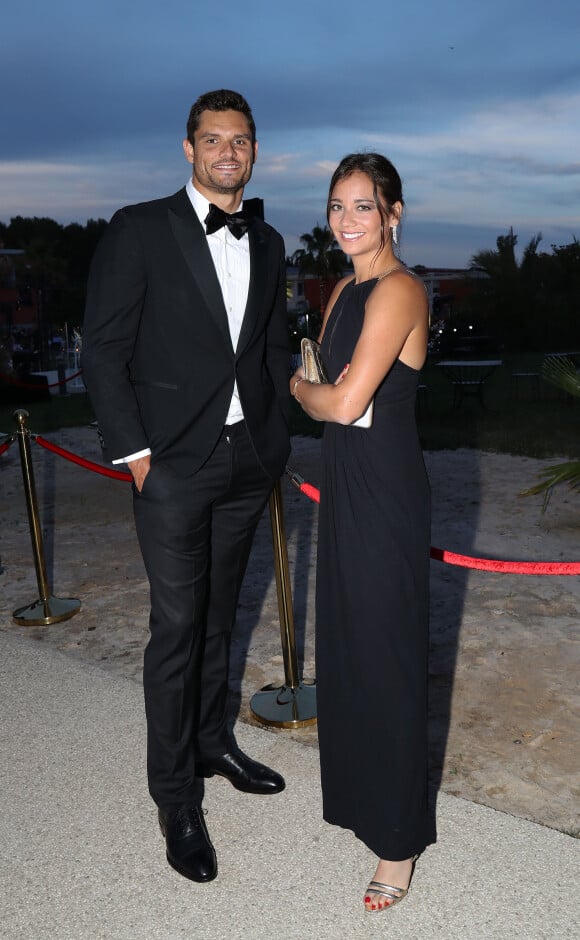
[509, 299]
[321, 257]
[561, 372]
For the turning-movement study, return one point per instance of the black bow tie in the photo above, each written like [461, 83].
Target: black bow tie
[238, 222]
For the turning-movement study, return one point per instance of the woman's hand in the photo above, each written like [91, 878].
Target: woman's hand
[342, 374]
[296, 378]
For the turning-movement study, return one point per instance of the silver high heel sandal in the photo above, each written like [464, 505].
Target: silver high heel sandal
[391, 892]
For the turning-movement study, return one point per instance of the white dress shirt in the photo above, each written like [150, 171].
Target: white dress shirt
[231, 257]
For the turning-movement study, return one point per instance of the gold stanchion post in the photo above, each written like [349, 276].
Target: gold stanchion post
[292, 705]
[47, 609]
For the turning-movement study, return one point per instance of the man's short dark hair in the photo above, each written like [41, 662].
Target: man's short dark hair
[221, 100]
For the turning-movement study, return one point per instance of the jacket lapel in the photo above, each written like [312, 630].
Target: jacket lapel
[258, 280]
[192, 242]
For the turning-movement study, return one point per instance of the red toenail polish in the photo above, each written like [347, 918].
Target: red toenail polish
[367, 900]
[374, 907]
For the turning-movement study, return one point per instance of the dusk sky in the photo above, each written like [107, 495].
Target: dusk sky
[477, 104]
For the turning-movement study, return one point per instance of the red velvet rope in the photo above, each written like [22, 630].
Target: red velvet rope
[467, 561]
[506, 567]
[17, 384]
[4, 447]
[439, 554]
[87, 464]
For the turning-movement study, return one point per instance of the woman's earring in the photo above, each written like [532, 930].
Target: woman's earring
[394, 234]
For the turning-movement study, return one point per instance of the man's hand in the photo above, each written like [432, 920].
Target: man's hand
[140, 468]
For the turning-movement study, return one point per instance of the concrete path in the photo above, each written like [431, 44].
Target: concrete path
[82, 857]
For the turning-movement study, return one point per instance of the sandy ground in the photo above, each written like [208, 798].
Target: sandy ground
[505, 648]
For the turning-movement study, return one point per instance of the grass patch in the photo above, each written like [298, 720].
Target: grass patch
[523, 426]
[59, 411]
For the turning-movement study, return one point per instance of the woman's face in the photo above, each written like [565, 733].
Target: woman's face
[354, 218]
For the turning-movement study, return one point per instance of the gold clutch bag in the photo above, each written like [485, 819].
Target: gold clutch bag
[314, 371]
[312, 363]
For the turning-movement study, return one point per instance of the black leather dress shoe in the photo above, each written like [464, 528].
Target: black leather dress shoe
[189, 849]
[243, 773]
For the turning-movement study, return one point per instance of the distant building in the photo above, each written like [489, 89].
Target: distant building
[446, 288]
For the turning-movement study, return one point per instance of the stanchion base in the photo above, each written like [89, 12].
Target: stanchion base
[52, 610]
[286, 707]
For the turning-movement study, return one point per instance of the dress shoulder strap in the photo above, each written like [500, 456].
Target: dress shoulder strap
[396, 267]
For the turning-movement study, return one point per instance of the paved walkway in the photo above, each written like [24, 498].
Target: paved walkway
[82, 857]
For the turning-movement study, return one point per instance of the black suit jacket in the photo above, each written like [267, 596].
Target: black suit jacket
[157, 357]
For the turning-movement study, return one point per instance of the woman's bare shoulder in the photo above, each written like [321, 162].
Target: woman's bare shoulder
[401, 293]
[401, 282]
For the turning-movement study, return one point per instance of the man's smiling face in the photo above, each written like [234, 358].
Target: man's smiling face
[222, 154]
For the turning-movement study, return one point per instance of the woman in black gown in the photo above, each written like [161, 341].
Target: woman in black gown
[374, 533]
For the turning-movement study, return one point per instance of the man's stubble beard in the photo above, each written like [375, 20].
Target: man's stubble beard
[235, 187]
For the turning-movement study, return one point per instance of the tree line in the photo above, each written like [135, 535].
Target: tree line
[526, 305]
[533, 304]
[529, 305]
[56, 262]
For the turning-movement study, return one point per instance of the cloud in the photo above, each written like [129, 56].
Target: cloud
[512, 164]
[485, 135]
[72, 192]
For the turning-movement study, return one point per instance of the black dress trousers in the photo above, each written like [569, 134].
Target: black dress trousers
[195, 535]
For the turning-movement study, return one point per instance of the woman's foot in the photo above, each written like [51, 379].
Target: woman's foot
[390, 884]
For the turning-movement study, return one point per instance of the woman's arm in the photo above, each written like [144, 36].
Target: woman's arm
[395, 326]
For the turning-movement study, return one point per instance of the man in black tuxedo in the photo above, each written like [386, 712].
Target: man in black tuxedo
[187, 363]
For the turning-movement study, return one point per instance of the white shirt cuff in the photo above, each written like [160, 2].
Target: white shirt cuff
[140, 453]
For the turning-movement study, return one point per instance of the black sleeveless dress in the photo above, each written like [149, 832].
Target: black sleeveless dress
[372, 608]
